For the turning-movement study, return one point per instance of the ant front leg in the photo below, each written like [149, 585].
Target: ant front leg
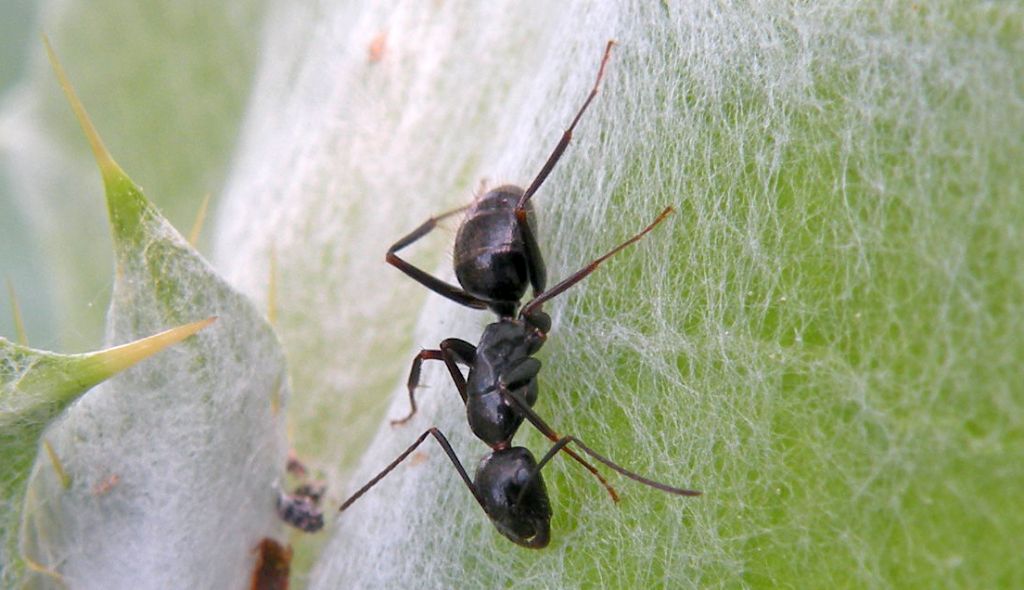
[426, 279]
[538, 422]
[441, 440]
[452, 351]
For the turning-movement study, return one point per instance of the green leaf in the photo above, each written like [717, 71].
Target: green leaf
[175, 463]
[826, 339]
[35, 387]
[168, 82]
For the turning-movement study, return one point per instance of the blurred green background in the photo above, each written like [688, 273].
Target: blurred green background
[177, 150]
[20, 259]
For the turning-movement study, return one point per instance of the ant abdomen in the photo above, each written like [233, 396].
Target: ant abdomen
[514, 496]
[491, 260]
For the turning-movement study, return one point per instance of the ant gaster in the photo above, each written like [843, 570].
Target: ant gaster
[496, 258]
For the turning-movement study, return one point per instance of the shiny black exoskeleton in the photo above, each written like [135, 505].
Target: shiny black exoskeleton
[496, 259]
[507, 486]
[504, 357]
[514, 496]
[496, 256]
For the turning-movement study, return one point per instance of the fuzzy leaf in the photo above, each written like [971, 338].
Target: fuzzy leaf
[174, 464]
[168, 82]
[825, 339]
[35, 387]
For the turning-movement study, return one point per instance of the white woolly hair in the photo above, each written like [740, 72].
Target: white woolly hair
[764, 345]
[825, 337]
[174, 464]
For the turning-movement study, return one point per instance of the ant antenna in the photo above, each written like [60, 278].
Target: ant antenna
[558, 446]
[593, 471]
[562, 441]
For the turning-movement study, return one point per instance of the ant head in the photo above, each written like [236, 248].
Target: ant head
[514, 496]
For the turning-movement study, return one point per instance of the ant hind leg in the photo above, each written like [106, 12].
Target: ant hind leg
[426, 279]
[556, 154]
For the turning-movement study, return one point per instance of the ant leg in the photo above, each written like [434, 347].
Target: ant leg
[549, 432]
[458, 351]
[564, 142]
[452, 351]
[522, 375]
[427, 280]
[414, 381]
[441, 440]
[534, 259]
[519, 377]
[538, 277]
[581, 274]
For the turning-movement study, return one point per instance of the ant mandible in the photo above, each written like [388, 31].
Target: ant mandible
[496, 257]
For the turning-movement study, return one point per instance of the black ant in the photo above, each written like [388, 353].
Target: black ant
[496, 256]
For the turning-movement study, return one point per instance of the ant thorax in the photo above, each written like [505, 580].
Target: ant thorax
[503, 344]
[507, 341]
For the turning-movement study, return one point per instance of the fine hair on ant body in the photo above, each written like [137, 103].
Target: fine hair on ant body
[496, 258]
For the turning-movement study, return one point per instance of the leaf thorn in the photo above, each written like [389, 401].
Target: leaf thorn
[108, 167]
